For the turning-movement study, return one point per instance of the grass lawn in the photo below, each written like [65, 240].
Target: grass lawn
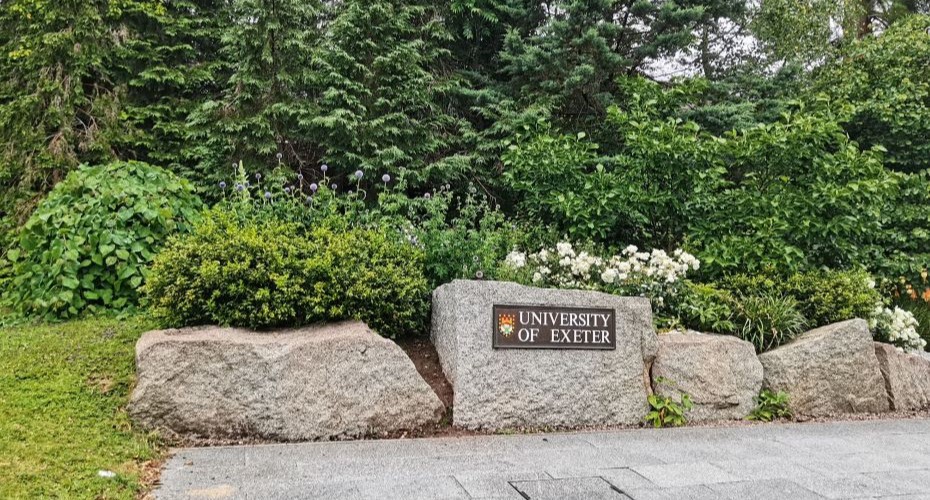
[63, 394]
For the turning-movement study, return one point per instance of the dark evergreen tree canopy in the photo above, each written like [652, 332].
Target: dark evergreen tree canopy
[60, 89]
[573, 61]
[268, 101]
[384, 93]
[431, 90]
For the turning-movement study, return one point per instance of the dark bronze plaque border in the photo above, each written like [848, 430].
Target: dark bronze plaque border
[568, 347]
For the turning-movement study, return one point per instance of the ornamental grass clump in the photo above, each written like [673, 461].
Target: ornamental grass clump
[768, 321]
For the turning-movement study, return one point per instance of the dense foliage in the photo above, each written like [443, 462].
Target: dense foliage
[266, 273]
[778, 140]
[87, 246]
[881, 86]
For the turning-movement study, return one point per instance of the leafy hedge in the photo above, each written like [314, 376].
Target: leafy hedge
[265, 273]
[769, 310]
[87, 245]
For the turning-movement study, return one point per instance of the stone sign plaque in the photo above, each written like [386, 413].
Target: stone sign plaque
[500, 383]
[533, 327]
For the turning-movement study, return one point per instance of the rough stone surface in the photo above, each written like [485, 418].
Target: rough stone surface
[506, 388]
[827, 371]
[721, 373]
[330, 381]
[907, 377]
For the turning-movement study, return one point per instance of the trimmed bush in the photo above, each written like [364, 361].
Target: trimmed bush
[87, 246]
[268, 273]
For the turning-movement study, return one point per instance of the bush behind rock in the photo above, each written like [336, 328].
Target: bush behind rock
[268, 273]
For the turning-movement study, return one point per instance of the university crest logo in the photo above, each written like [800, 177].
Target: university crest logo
[505, 324]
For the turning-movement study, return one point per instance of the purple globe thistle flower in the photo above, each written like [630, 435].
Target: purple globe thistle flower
[324, 168]
[258, 177]
[309, 199]
[333, 186]
[279, 156]
[386, 178]
[300, 177]
[314, 187]
[359, 174]
[222, 184]
[287, 190]
[267, 195]
[427, 196]
[239, 187]
[248, 184]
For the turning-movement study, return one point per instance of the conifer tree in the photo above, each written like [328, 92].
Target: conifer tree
[573, 62]
[170, 72]
[383, 93]
[268, 102]
[61, 94]
[478, 29]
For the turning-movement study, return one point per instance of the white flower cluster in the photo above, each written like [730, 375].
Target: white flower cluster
[898, 327]
[657, 265]
[643, 273]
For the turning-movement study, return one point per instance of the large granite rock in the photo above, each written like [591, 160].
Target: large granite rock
[827, 371]
[331, 381]
[721, 373]
[507, 388]
[907, 377]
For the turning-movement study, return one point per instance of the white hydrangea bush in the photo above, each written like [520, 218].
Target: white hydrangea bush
[654, 274]
[898, 327]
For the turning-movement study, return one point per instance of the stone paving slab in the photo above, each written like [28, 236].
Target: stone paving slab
[876, 459]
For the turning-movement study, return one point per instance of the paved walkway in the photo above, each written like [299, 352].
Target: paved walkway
[798, 461]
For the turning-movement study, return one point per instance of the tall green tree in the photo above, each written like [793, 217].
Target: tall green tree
[170, 72]
[268, 101]
[478, 29]
[882, 85]
[384, 93]
[60, 92]
[574, 60]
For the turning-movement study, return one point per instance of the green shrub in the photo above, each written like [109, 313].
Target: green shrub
[86, 247]
[905, 235]
[768, 321]
[267, 273]
[763, 317]
[823, 297]
[463, 239]
[704, 308]
[801, 196]
[643, 189]
[460, 235]
[881, 86]
[770, 406]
